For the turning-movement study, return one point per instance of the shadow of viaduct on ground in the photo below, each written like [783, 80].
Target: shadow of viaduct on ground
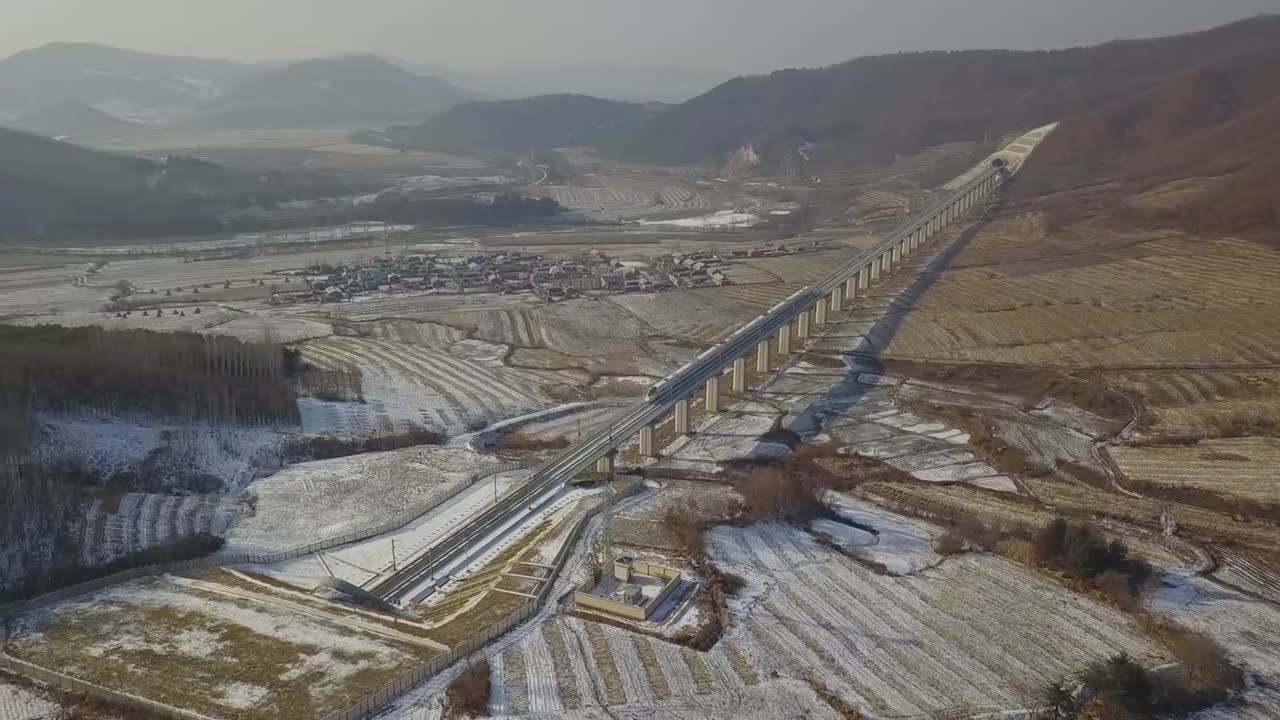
[865, 358]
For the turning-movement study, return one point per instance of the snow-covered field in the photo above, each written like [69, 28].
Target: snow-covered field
[358, 230]
[244, 660]
[174, 453]
[976, 632]
[329, 498]
[21, 703]
[614, 197]
[732, 435]
[406, 383]
[721, 219]
[902, 545]
[861, 410]
[364, 562]
[142, 520]
[1249, 629]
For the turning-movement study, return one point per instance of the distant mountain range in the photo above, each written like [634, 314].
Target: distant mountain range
[1134, 114]
[865, 110]
[349, 91]
[122, 82]
[56, 89]
[75, 120]
[518, 126]
[54, 192]
[50, 189]
[874, 107]
[626, 83]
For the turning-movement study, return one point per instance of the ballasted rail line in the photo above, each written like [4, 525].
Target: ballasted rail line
[858, 274]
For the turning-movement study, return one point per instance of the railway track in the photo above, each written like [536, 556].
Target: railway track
[432, 568]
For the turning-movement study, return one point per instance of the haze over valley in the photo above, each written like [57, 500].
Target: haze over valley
[715, 361]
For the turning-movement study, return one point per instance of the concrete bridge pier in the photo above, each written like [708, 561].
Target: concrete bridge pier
[713, 394]
[864, 278]
[875, 269]
[682, 417]
[802, 325]
[886, 263]
[895, 254]
[851, 287]
[740, 376]
[784, 339]
[762, 356]
[837, 299]
[820, 313]
[646, 441]
[605, 464]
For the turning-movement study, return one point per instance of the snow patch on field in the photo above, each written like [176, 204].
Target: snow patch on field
[20, 703]
[90, 635]
[723, 218]
[361, 562]
[106, 446]
[974, 632]
[241, 696]
[329, 498]
[846, 536]
[733, 435]
[903, 546]
[452, 390]
[1247, 628]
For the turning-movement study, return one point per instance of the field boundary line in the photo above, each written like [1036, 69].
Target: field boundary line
[81, 687]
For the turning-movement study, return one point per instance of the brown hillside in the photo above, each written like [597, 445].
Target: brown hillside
[872, 107]
[1214, 130]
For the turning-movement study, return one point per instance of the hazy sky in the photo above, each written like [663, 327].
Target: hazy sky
[733, 35]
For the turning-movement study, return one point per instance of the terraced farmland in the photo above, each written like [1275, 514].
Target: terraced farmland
[1189, 401]
[414, 384]
[976, 633]
[616, 197]
[702, 315]
[569, 663]
[143, 520]
[1250, 572]
[1122, 302]
[1240, 467]
[1196, 522]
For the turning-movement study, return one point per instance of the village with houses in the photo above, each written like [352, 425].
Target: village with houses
[517, 271]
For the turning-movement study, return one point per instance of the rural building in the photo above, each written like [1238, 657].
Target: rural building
[628, 588]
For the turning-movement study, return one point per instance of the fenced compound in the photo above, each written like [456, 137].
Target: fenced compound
[396, 688]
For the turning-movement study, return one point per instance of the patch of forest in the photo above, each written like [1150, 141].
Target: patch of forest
[183, 377]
